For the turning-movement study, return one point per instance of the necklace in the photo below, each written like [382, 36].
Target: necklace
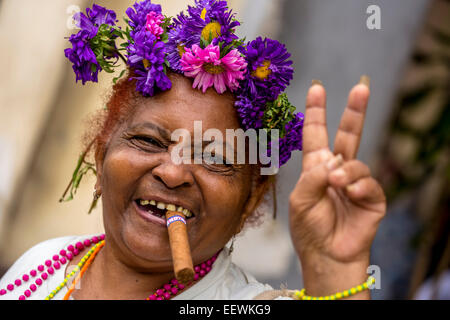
[46, 270]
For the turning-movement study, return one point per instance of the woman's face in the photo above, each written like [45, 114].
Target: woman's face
[137, 166]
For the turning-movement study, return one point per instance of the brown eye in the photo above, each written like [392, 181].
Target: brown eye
[146, 142]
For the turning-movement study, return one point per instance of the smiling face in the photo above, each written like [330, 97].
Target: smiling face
[137, 166]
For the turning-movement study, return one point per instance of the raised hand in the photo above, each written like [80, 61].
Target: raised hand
[336, 206]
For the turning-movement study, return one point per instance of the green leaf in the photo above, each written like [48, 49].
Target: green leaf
[118, 77]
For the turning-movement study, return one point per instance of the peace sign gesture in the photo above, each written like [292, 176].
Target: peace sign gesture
[336, 206]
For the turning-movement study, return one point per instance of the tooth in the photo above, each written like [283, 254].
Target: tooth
[187, 213]
[180, 209]
[144, 202]
[161, 205]
[171, 207]
[153, 202]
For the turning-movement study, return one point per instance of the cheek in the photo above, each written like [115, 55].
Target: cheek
[120, 171]
[226, 199]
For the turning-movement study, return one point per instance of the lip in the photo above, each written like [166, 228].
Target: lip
[149, 217]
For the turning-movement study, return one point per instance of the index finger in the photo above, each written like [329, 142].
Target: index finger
[315, 134]
[351, 126]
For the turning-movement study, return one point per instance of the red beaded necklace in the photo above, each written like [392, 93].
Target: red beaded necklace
[166, 292]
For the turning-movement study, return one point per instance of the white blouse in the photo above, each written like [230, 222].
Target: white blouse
[225, 281]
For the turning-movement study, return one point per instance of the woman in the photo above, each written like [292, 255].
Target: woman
[335, 207]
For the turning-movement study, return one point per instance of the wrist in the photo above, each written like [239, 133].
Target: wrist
[324, 276]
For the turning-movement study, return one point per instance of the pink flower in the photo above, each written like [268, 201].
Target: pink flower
[208, 69]
[154, 21]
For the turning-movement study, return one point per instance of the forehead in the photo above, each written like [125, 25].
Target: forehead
[180, 106]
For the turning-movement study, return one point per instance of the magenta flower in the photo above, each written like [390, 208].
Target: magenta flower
[209, 69]
[153, 24]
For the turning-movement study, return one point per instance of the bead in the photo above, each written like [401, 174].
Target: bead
[63, 252]
[44, 276]
[3, 292]
[94, 239]
[62, 260]
[167, 287]
[38, 281]
[75, 252]
[196, 276]
[50, 270]
[197, 269]
[69, 255]
[22, 297]
[159, 292]
[209, 263]
[25, 277]
[102, 237]
[41, 268]
[214, 259]
[174, 290]
[174, 282]
[208, 269]
[17, 282]
[87, 242]
[56, 265]
[202, 273]
[71, 248]
[203, 266]
[27, 293]
[152, 297]
[181, 286]
[10, 287]
[48, 263]
[55, 257]
[166, 295]
[159, 298]
[33, 287]
[79, 246]
[33, 273]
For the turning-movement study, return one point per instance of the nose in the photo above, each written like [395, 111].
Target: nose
[173, 175]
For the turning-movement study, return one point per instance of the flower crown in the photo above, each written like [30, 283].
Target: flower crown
[200, 44]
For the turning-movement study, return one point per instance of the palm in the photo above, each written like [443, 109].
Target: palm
[327, 216]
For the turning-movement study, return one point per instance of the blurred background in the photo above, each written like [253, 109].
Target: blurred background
[406, 141]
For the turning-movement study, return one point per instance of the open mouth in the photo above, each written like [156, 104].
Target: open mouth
[159, 209]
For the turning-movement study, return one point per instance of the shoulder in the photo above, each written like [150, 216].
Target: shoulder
[35, 256]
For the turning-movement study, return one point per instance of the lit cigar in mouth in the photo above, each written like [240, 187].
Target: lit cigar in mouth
[179, 245]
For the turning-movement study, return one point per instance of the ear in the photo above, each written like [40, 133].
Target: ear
[99, 170]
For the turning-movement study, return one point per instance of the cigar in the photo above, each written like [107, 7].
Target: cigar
[179, 245]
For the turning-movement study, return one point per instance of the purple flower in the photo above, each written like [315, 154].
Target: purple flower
[84, 61]
[292, 140]
[175, 44]
[269, 70]
[146, 56]
[138, 15]
[211, 20]
[251, 112]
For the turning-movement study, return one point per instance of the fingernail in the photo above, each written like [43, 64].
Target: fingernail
[352, 188]
[316, 82]
[365, 80]
[335, 162]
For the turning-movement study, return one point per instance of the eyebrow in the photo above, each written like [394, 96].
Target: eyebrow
[149, 125]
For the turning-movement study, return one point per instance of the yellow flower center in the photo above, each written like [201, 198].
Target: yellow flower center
[203, 14]
[263, 72]
[212, 30]
[146, 63]
[213, 69]
[181, 50]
